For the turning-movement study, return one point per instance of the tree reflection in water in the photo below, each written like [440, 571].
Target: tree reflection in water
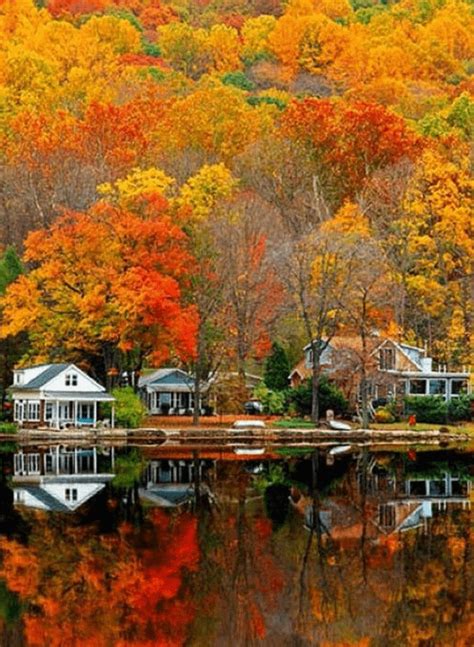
[375, 565]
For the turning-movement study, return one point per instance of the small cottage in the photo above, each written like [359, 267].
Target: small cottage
[168, 391]
[58, 396]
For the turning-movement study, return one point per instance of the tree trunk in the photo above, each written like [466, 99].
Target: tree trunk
[315, 386]
[201, 350]
[197, 392]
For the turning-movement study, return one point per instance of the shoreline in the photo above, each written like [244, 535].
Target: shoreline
[279, 437]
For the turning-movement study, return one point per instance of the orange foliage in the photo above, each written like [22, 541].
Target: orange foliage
[108, 276]
[61, 8]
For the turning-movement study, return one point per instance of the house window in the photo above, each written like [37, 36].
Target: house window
[71, 379]
[458, 387]
[437, 387]
[33, 411]
[18, 411]
[417, 387]
[71, 494]
[48, 411]
[386, 359]
[86, 411]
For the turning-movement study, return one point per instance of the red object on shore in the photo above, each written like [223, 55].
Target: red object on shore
[412, 420]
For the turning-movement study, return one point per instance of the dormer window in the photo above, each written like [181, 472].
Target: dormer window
[387, 359]
[71, 379]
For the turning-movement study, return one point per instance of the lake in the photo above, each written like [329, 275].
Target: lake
[207, 546]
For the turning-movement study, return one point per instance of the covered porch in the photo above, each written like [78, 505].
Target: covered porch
[76, 410]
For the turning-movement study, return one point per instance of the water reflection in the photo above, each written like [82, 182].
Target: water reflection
[139, 547]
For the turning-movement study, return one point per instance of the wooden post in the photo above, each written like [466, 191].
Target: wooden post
[112, 417]
[95, 414]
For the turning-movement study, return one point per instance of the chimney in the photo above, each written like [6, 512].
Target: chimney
[426, 364]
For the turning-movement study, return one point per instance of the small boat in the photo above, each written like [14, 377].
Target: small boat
[339, 426]
[249, 451]
[340, 449]
[248, 424]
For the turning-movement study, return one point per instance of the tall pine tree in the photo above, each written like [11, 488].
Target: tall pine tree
[277, 368]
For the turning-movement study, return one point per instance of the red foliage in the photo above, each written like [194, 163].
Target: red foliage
[352, 140]
[59, 8]
[235, 20]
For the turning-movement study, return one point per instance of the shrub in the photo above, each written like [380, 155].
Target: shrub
[427, 408]
[271, 101]
[129, 409]
[238, 80]
[8, 428]
[383, 415]
[274, 402]
[460, 408]
[330, 397]
[436, 409]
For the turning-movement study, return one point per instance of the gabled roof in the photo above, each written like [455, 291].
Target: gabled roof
[169, 379]
[50, 371]
[161, 374]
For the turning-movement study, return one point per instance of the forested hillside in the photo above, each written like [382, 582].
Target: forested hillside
[192, 180]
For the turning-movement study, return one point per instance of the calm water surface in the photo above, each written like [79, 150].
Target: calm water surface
[142, 547]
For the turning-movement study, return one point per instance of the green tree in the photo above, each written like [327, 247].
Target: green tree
[129, 409]
[277, 368]
[12, 348]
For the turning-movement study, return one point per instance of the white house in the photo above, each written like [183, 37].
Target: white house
[168, 391]
[56, 395]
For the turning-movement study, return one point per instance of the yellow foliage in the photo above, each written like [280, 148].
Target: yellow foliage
[331, 8]
[348, 221]
[202, 191]
[138, 182]
[215, 118]
[224, 45]
[255, 33]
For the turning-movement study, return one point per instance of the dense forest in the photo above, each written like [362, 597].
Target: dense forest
[191, 180]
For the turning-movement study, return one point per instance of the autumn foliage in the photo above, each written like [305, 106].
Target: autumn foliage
[306, 105]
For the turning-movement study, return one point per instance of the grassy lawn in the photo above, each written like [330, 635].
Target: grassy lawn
[299, 423]
[293, 423]
[463, 427]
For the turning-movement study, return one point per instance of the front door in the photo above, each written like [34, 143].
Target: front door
[64, 411]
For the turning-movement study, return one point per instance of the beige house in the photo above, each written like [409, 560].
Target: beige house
[394, 369]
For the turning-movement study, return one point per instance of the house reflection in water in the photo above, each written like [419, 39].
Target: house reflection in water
[172, 483]
[60, 479]
[389, 504]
